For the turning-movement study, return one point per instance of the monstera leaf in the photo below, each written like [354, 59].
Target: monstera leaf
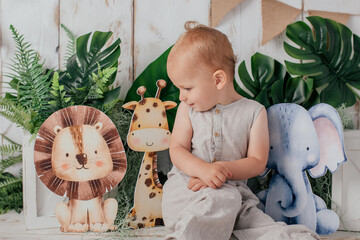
[329, 54]
[155, 71]
[271, 83]
[78, 79]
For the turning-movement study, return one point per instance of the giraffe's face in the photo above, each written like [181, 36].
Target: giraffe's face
[149, 129]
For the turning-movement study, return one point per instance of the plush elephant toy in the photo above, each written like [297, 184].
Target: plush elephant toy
[302, 140]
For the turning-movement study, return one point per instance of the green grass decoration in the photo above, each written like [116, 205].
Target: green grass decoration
[126, 188]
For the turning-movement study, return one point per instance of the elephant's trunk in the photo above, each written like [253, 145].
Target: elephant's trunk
[299, 193]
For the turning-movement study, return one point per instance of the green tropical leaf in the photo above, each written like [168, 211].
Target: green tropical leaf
[271, 83]
[329, 54]
[155, 71]
[88, 59]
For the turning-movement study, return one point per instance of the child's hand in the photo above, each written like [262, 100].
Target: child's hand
[196, 184]
[214, 175]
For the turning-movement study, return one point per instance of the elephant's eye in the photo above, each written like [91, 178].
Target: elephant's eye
[67, 155]
[307, 148]
[271, 147]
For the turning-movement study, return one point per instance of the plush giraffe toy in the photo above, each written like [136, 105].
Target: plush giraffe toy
[149, 132]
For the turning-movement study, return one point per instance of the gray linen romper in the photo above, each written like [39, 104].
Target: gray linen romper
[221, 134]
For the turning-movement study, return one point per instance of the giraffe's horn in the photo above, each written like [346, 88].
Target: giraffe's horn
[141, 91]
[160, 84]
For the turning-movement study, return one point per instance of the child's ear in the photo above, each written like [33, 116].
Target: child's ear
[220, 78]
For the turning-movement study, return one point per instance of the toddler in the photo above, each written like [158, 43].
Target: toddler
[219, 140]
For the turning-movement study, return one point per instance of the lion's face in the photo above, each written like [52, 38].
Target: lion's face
[80, 153]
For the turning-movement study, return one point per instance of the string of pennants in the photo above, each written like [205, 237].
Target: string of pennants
[276, 15]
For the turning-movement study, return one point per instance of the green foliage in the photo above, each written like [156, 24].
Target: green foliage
[39, 92]
[58, 93]
[30, 80]
[78, 79]
[271, 83]
[330, 55]
[155, 71]
[125, 197]
[70, 47]
[10, 186]
[18, 114]
[9, 149]
[10, 192]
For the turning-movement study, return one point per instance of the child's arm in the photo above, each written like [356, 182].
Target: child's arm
[257, 154]
[213, 175]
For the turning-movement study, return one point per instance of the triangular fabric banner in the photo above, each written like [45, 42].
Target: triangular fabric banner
[338, 17]
[219, 8]
[275, 17]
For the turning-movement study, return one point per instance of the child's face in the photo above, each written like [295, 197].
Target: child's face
[194, 80]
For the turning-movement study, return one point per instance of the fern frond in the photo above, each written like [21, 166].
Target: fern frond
[106, 107]
[10, 183]
[58, 93]
[17, 114]
[33, 84]
[11, 194]
[9, 149]
[8, 162]
[71, 45]
[9, 140]
[99, 82]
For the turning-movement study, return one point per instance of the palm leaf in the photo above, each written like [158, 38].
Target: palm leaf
[82, 65]
[271, 83]
[148, 78]
[330, 55]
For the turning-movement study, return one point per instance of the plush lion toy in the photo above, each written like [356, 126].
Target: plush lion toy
[79, 154]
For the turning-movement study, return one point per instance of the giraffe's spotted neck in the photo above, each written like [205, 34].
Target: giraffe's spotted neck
[148, 169]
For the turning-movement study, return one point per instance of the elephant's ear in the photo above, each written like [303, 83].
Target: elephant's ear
[331, 141]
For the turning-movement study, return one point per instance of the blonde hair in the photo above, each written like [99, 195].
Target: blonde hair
[211, 46]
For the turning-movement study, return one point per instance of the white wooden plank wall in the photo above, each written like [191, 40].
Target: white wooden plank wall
[146, 28]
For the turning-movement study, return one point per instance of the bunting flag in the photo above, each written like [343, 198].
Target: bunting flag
[338, 17]
[219, 8]
[275, 17]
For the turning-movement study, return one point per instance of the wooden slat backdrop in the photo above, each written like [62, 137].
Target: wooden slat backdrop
[146, 28]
